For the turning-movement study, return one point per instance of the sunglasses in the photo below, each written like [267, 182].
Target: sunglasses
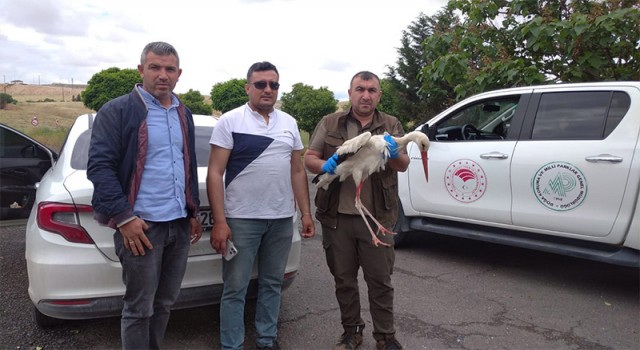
[263, 85]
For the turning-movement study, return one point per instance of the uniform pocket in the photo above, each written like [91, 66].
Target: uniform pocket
[390, 191]
[332, 141]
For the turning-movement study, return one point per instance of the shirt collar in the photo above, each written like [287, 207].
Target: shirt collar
[376, 121]
[272, 114]
[149, 99]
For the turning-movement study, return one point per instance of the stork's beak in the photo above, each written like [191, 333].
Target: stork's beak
[425, 163]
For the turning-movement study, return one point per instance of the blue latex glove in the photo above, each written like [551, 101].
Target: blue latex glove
[331, 164]
[394, 152]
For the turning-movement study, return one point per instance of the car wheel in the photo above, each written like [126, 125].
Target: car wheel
[401, 228]
[44, 321]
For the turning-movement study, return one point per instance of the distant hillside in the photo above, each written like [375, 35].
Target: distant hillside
[56, 92]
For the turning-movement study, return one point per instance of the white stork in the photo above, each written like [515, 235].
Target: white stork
[366, 154]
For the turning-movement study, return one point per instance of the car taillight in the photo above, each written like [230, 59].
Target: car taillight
[62, 218]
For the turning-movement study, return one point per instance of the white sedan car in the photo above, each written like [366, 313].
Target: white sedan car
[73, 269]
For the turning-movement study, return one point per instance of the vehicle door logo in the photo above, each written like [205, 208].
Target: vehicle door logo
[560, 186]
[465, 180]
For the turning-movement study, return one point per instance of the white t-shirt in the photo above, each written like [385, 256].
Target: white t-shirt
[258, 174]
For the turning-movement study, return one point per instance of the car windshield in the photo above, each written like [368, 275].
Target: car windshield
[483, 115]
[80, 155]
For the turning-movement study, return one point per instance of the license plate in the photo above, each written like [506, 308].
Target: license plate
[206, 218]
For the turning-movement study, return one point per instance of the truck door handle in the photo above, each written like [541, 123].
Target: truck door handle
[494, 155]
[604, 158]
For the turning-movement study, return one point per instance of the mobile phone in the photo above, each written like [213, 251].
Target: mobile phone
[231, 250]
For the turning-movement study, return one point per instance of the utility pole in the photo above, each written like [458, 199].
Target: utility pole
[4, 83]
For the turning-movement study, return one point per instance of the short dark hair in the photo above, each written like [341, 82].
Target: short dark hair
[160, 48]
[261, 67]
[364, 75]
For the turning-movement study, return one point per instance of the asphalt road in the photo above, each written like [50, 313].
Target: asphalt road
[451, 293]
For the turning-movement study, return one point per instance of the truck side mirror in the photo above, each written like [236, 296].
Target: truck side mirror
[431, 134]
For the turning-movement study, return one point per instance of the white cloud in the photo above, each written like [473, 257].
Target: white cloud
[318, 43]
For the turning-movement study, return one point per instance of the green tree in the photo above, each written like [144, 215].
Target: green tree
[108, 84]
[229, 95]
[509, 43]
[194, 100]
[308, 105]
[5, 99]
[391, 101]
[404, 77]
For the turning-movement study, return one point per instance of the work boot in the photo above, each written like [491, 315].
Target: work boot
[350, 340]
[388, 343]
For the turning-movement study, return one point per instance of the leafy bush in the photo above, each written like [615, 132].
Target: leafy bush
[5, 99]
[229, 95]
[108, 84]
[194, 100]
[308, 105]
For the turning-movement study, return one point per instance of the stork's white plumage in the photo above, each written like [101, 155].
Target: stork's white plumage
[366, 154]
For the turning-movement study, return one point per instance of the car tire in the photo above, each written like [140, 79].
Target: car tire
[401, 228]
[44, 321]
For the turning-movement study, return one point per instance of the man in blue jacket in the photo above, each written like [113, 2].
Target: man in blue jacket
[143, 167]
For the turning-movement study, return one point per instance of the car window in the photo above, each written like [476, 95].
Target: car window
[620, 103]
[203, 135]
[13, 145]
[582, 115]
[80, 155]
[484, 120]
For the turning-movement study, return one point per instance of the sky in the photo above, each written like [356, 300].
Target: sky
[321, 43]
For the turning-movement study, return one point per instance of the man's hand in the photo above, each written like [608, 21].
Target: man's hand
[331, 164]
[196, 230]
[220, 233]
[134, 237]
[394, 152]
[308, 227]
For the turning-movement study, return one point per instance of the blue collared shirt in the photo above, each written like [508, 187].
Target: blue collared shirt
[162, 189]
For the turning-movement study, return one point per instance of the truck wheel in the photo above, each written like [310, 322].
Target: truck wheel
[401, 228]
[44, 321]
[400, 239]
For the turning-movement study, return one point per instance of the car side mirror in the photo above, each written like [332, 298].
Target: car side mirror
[431, 133]
[28, 151]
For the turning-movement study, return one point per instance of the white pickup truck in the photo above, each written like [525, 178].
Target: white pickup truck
[554, 168]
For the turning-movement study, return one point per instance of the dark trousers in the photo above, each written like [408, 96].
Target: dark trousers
[347, 248]
[152, 282]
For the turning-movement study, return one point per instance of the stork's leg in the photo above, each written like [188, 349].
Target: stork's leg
[360, 207]
[381, 229]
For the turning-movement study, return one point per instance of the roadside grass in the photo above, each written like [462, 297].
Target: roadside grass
[305, 138]
[54, 120]
[52, 138]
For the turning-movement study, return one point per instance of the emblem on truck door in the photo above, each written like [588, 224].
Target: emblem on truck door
[560, 186]
[465, 180]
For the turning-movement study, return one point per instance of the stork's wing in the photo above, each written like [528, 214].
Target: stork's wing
[353, 145]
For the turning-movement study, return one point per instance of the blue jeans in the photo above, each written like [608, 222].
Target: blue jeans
[152, 282]
[270, 241]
